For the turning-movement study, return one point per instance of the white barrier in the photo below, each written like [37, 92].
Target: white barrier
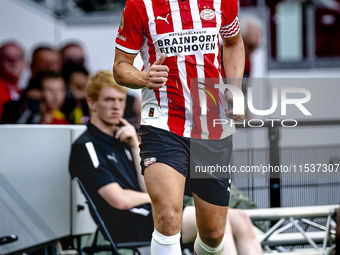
[38, 201]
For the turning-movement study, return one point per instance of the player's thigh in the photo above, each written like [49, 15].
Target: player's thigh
[211, 219]
[165, 185]
[164, 162]
[166, 188]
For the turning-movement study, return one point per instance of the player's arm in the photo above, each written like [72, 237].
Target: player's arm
[129, 41]
[123, 199]
[233, 61]
[127, 75]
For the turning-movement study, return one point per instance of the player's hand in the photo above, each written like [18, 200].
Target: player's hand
[127, 133]
[157, 75]
[229, 112]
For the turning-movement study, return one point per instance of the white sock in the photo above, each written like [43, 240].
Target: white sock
[165, 245]
[200, 248]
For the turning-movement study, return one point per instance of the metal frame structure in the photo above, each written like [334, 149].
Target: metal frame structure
[299, 219]
[275, 186]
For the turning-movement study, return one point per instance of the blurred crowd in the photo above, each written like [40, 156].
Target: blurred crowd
[55, 92]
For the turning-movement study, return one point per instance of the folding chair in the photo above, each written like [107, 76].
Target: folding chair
[101, 227]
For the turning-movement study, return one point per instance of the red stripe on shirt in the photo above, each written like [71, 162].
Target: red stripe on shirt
[163, 18]
[191, 67]
[152, 53]
[185, 12]
[176, 114]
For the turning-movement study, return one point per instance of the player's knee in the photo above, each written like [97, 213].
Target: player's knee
[170, 216]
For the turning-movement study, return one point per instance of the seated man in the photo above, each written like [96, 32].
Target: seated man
[106, 159]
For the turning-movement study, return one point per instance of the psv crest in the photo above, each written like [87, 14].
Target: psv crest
[207, 14]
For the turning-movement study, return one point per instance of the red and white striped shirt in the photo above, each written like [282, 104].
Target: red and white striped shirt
[188, 33]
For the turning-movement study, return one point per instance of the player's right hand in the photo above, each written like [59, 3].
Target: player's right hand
[157, 75]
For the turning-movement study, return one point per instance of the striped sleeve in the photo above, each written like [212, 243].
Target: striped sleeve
[130, 36]
[231, 29]
[230, 23]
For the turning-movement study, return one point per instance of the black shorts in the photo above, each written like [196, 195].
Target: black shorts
[187, 155]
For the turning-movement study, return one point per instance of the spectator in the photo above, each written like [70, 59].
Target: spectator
[73, 53]
[47, 110]
[44, 58]
[12, 64]
[75, 107]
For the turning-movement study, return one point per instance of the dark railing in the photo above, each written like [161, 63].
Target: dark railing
[274, 191]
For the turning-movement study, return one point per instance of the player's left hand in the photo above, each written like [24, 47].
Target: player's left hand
[229, 112]
[127, 133]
